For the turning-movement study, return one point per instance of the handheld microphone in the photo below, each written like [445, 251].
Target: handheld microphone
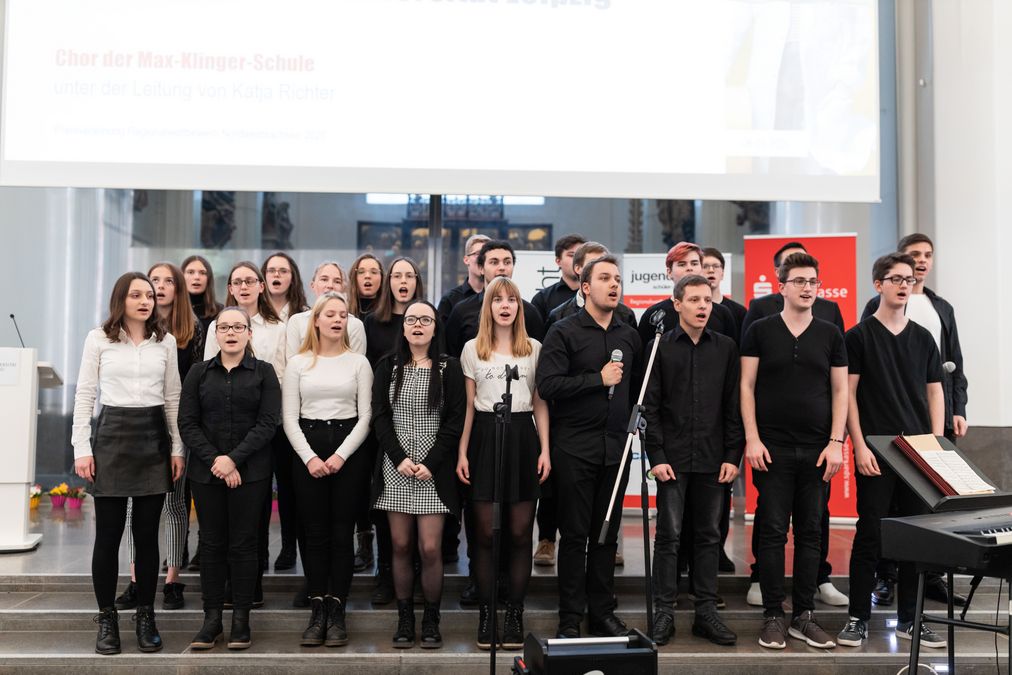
[23, 340]
[948, 366]
[616, 357]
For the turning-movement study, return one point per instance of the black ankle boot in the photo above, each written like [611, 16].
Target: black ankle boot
[431, 637]
[384, 591]
[484, 627]
[316, 631]
[363, 552]
[209, 632]
[337, 632]
[405, 635]
[148, 639]
[128, 600]
[238, 635]
[108, 632]
[513, 627]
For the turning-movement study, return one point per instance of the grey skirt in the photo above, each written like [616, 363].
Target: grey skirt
[132, 452]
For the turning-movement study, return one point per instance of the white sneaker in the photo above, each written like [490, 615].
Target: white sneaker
[829, 594]
[755, 595]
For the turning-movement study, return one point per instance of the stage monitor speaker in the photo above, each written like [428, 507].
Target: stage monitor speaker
[634, 654]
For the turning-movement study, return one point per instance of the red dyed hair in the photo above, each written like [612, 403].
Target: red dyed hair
[680, 251]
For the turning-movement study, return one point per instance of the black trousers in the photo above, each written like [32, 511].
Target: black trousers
[281, 462]
[586, 568]
[327, 507]
[110, 520]
[792, 492]
[825, 569]
[548, 524]
[875, 494]
[673, 498]
[229, 519]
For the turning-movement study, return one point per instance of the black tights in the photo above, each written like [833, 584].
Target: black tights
[110, 520]
[430, 548]
[516, 537]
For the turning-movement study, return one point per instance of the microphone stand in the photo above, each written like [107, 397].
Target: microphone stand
[637, 424]
[503, 413]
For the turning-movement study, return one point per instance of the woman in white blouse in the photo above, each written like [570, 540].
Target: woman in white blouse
[326, 408]
[502, 341]
[135, 452]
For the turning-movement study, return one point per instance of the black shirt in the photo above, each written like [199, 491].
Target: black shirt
[193, 352]
[451, 298]
[691, 406]
[584, 422]
[550, 297]
[381, 336]
[197, 302]
[571, 307]
[768, 305]
[895, 370]
[463, 323]
[234, 412]
[738, 311]
[793, 392]
[721, 320]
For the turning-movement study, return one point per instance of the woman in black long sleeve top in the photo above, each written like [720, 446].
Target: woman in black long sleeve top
[229, 410]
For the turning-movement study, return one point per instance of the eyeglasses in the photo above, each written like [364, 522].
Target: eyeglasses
[237, 328]
[248, 281]
[713, 267]
[280, 271]
[193, 271]
[401, 276]
[420, 320]
[897, 280]
[801, 282]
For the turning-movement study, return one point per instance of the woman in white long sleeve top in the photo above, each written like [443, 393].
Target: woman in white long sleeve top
[135, 452]
[326, 408]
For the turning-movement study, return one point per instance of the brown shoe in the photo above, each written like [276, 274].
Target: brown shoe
[804, 627]
[773, 635]
[545, 555]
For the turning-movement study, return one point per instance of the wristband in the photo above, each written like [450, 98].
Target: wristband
[836, 440]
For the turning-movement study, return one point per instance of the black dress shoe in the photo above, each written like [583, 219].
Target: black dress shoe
[568, 631]
[194, 565]
[708, 625]
[238, 636]
[884, 592]
[469, 596]
[664, 628]
[724, 564]
[285, 560]
[210, 632]
[608, 625]
[107, 642]
[935, 588]
[128, 600]
[172, 596]
[148, 639]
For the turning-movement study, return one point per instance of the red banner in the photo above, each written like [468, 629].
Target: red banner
[837, 256]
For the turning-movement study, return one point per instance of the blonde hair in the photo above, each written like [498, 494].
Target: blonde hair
[311, 343]
[485, 342]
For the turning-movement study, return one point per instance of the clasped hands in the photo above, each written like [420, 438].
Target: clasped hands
[319, 468]
[409, 469]
[225, 469]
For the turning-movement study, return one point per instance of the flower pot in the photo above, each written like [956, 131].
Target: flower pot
[74, 502]
[33, 502]
[58, 500]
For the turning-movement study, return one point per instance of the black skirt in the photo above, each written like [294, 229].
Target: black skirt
[132, 452]
[520, 459]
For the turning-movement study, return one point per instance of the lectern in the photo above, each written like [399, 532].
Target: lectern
[21, 376]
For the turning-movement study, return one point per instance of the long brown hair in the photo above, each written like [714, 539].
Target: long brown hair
[117, 309]
[485, 341]
[311, 343]
[385, 308]
[351, 284]
[296, 295]
[264, 306]
[211, 306]
[236, 308]
[181, 322]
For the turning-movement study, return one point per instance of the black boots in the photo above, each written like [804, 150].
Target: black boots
[128, 600]
[107, 642]
[363, 553]
[316, 631]
[384, 591]
[238, 635]
[513, 627]
[484, 627]
[210, 632]
[431, 637]
[148, 639]
[337, 632]
[404, 638]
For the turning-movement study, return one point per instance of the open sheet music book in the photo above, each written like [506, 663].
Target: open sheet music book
[946, 469]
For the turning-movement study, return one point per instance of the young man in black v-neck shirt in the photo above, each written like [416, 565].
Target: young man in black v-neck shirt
[794, 409]
[895, 388]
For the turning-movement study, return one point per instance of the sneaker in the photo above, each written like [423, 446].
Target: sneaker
[755, 595]
[929, 638]
[545, 555]
[129, 598]
[773, 634]
[708, 625]
[829, 594]
[884, 592]
[172, 596]
[664, 628]
[805, 627]
[853, 634]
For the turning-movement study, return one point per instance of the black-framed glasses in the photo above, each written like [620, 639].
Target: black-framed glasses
[712, 267]
[801, 282]
[237, 328]
[280, 271]
[248, 281]
[420, 320]
[898, 280]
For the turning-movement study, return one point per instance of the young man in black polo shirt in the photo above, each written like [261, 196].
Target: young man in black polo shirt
[713, 270]
[895, 388]
[694, 442]
[474, 282]
[550, 297]
[576, 373]
[794, 408]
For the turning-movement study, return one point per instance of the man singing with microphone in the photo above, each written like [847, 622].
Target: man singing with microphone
[586, 370]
